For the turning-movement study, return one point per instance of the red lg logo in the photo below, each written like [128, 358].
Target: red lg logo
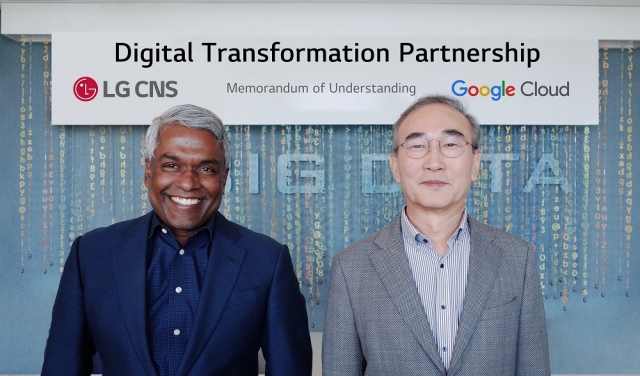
[85, 89]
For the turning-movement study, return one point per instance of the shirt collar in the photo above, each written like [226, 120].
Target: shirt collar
[413, 233]
[156, 225]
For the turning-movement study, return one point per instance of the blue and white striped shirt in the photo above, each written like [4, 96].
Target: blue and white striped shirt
[440, 281]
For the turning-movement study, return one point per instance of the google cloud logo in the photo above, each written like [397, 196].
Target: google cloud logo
[85, 88]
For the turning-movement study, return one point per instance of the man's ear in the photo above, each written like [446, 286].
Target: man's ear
[393, 163]
[147, 173]
[475, 168]
[224, 180]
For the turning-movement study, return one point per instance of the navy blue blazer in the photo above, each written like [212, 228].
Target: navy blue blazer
[250, 299]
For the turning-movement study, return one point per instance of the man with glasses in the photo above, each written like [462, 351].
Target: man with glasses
[435, 292]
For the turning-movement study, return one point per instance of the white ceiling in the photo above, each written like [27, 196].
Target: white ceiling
[624, 3]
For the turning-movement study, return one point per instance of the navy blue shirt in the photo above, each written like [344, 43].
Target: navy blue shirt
[175, 276]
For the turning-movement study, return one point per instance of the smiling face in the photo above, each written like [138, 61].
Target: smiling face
[185, 179]
[435, 183]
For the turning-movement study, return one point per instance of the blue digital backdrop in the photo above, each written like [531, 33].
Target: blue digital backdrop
[568, 190]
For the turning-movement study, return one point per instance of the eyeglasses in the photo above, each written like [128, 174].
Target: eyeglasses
[451, 146]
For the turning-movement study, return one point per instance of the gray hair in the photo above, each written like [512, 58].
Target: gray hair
[440, 99]
[193, 117]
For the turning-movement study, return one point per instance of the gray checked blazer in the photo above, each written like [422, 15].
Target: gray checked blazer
[376, 325]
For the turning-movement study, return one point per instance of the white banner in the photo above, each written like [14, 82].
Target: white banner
[129, 78]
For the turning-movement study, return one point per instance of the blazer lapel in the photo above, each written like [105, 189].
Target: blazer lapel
[484, 261]
[223, 268]
[393, 268]
[130, 266]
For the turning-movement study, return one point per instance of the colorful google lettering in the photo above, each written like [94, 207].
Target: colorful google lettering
[496, 92]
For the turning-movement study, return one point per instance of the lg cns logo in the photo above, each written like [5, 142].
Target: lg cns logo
[86, 89]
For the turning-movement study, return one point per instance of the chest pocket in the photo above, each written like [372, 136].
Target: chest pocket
[502, 309]
[244, 296]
